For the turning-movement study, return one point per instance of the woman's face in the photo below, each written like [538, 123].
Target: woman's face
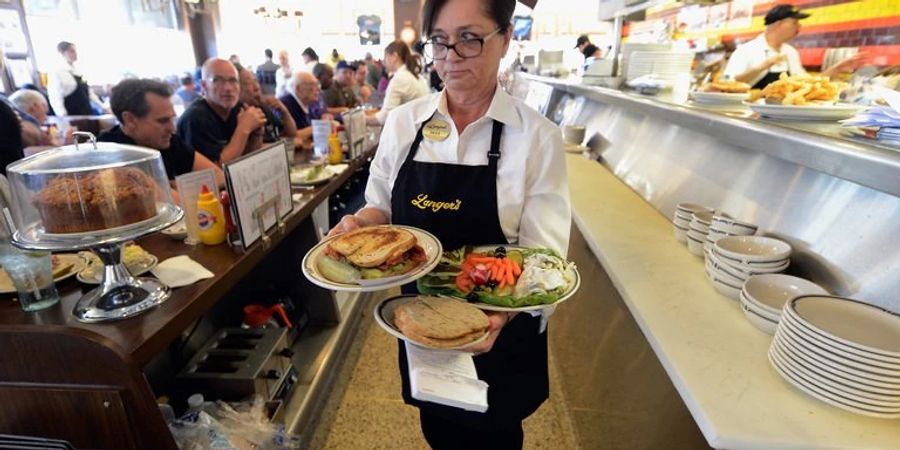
[467, 19]
[391, 62]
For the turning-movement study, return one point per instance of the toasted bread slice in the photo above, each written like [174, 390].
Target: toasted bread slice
[439, 318]
[371, 247]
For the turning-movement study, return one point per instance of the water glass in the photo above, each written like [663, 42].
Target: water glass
[32, 275]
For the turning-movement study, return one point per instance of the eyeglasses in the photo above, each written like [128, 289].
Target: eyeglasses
[464, 48]
[221, 81]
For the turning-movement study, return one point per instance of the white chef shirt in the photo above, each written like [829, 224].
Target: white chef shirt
[404, 87]
[61, 83]
[532, 188]
[751, 54]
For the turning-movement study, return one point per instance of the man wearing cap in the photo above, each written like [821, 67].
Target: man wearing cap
[583, 44]
[762, 60]
[340, 93]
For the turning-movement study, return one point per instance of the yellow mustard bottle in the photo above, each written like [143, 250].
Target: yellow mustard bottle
[335, 155]
[210, 218]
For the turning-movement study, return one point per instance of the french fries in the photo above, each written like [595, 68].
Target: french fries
[799, 90]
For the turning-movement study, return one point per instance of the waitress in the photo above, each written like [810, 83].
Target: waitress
[504, 164]
[69, 93]
[762, 60]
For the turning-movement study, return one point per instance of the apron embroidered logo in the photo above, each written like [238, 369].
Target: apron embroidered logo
[422, 202]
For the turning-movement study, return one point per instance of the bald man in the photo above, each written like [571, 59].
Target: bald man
[303, 92]
[218, 125]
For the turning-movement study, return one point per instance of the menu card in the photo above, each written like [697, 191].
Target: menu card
[321, 130]
[355, 122]
[188, 187]
[255, 179]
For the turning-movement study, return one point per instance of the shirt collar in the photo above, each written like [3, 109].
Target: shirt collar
[502, 109]
[302, 106]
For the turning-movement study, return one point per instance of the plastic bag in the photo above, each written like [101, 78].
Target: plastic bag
[219, 426]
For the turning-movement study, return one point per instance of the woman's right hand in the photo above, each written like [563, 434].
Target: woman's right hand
[349, 222]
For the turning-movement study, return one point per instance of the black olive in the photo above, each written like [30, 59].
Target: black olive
[500, 252]
[472, 297]
[491, 284]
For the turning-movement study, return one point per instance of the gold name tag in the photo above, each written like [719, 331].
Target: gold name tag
[436, 130]
[422, 202]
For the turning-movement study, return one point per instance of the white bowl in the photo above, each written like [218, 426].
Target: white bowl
[764, 324]
[680, 233]
[681, 222]
[721, 266]
[730, 231]
[715, 234]
[760, 309]
[690, 208]
[724, 288]
[704, 217]
[695, 246]
[758, 249]
[772, 291]
[574, 134]
[754, 267]
[723, 275]
[699, 226]
[734, 226]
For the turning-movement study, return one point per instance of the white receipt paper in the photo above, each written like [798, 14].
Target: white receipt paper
[446, 378]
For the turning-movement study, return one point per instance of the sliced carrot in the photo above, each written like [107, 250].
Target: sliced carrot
[510, 279]
[482, 259]
[501, 272]
[517, 270]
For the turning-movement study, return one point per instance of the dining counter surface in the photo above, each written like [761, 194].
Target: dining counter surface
[715, 358]
[140, 338]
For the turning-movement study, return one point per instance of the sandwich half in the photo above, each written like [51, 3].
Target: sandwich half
[441, 322]
[371, 253]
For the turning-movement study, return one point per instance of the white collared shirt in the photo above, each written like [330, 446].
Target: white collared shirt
[60, 84]
[532, 188]
[751, 54]
[404, 87]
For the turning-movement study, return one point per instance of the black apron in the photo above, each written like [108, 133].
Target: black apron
[516, 368]
[770, 77]
[78, 103]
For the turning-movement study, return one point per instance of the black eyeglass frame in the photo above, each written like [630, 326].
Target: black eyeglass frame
[481, 40]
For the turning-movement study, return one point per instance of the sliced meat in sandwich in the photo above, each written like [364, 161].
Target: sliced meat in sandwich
[440, 322]
[371, 253]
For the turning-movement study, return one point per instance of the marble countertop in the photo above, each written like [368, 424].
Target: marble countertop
[714, 356]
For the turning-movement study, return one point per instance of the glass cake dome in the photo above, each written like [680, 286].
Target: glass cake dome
[85, 195]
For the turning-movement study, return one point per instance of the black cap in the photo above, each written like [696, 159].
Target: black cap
[782, 12]
[581, 40]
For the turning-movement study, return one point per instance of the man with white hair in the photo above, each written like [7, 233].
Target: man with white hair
[303, 92]
[33, 109]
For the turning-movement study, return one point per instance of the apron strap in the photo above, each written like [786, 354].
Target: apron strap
[494, 152]
[414, 148]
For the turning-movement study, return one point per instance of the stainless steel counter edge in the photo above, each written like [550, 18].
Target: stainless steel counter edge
[868, 165]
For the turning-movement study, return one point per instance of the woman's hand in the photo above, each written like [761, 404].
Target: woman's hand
[498, 320]
[349, 222]
[365, 217]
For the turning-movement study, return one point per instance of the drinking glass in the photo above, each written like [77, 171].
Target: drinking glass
[32, 275]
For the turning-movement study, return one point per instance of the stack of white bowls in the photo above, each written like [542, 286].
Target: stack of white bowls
[733, 259]
[681, 222]
[763, 297]
[721, 225]
[697, 231]
[841, 351]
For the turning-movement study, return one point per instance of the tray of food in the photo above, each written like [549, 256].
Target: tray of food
[137, 260]
[372, 258]
[65, 265]
[722, 93]
[801, 98]
[503, 278]
[432, 322]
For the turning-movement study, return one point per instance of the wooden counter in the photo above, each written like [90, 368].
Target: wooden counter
[84, 382]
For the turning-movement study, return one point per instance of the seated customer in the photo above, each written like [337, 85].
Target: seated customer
[279, 123]
[187, 92]
[303, 93]
[11, 130]
[340, 94]
[33, 109]
[217, 125]
[325, 74]
[147, 118]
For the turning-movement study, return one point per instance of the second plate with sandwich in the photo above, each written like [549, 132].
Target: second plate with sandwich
[432, 322]
[372, 258]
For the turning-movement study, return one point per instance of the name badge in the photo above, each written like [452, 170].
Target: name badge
[436, 130]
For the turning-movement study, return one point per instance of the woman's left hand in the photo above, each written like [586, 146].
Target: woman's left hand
[498, 320]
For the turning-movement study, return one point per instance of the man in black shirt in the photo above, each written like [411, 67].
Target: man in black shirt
[218, 126]
[587, 49]
[10, 135]
[279, 123]
[147, 118]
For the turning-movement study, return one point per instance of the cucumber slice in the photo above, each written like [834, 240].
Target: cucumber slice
[337, 271]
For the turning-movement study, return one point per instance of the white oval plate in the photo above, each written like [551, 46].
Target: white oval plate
[489, 307]
[137, 271]
[805, 112]
[860, 326]
[824, 366]
[384, 315]
[428, 241]
[718, 98]
[834, 384]
[828, 397]
[298, 177]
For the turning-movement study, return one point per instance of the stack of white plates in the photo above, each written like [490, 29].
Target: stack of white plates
[763, 297]
[681, 221]
[841, 351]
[723, 225]
[733, 259]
